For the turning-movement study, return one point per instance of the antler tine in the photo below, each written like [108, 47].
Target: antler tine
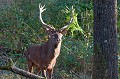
[71, 20]
[46, 26]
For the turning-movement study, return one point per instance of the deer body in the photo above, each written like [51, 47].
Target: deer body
[44, 56]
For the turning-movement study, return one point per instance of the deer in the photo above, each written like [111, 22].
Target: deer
[44, 56]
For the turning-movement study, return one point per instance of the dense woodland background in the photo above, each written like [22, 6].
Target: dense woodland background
[20, 27]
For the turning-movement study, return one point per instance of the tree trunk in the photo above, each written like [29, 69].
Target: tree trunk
[105, 65]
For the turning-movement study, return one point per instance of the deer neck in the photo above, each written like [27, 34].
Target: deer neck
[53, 50]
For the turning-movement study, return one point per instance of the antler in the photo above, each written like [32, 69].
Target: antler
[70, 22]
[46, 26]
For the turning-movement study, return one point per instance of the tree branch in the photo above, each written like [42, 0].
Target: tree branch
[11, 67]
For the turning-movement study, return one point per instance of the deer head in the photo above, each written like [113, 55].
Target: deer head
[54, 34]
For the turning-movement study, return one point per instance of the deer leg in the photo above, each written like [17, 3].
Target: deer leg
[44, 73]
[49, 73]
[30, 67]
[38, 70]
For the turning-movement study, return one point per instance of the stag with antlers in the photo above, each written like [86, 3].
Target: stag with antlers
[44, 56]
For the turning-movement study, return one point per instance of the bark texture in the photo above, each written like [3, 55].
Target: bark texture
[105, 65]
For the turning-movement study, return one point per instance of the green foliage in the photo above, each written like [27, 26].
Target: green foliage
[74, 26]
[20, 27]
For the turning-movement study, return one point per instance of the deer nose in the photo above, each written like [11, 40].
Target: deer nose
[58, 40]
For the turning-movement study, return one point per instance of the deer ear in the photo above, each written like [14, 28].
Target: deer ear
[64, 31]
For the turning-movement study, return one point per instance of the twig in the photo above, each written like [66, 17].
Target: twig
[75, 74]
